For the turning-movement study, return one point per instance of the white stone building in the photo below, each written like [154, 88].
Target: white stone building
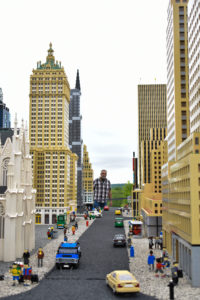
[17, 203]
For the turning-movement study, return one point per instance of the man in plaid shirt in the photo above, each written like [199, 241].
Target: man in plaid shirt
[102, 190]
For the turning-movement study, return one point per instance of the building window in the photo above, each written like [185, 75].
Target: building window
[197, 151]
[196, 141]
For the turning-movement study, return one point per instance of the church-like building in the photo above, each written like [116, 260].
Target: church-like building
[17, 196]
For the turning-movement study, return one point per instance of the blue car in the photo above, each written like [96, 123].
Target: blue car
[68, 255]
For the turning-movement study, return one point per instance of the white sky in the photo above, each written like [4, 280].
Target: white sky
[115, 44]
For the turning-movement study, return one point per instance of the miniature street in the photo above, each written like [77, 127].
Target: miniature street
[99, 258]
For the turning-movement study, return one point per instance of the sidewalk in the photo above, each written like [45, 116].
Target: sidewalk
[149, 284]
[6, 288]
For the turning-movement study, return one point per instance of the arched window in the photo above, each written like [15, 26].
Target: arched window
[5, 170]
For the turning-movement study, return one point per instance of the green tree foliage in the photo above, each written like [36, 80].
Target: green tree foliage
[121, 192]
[127, 188]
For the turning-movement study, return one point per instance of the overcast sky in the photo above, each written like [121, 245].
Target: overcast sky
[115, 44]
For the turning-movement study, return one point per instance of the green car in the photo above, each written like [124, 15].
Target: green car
[119, 222]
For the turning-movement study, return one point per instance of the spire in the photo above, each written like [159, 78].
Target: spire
[78, 86]
[50, 56]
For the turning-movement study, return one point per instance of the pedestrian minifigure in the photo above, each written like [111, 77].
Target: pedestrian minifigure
[26, 256]
[65, 238]
[15, 272]
[27, 274]
[40, 255]
[159, 267]
[150, 243]
[166, 264]
[51, 232]
[151, 260]
[76, 225]
[73, 229]
[65, 231]
[161, 243]
[174, 271]
[156, 243]
[164, 254]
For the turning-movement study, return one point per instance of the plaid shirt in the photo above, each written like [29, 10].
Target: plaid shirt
[101, 189]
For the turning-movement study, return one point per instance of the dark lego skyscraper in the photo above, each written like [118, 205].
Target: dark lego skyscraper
[4, 113]
[75, 141]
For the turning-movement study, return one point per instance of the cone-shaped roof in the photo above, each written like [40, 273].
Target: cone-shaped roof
[78, 86]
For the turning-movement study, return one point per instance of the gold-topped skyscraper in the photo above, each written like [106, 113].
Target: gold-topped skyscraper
[53, 162]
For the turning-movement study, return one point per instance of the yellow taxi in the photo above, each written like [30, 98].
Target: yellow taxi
[117, 212]
[122, 281]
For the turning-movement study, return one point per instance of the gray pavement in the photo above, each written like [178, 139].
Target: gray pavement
[41, 240]
[99, 258]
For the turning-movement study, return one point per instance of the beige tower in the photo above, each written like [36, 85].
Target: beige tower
[151, 114]
[181, 176]
[177, 76]
[87, 179]
[53, 162]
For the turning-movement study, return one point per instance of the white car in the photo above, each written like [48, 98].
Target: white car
[95, 213]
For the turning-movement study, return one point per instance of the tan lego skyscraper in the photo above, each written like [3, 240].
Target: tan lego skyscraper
[181, 176]
[151, 114]
[87, 179]
[177, 76]
[54, 165]
[194, 64]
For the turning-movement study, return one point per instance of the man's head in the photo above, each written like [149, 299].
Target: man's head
[103, 174]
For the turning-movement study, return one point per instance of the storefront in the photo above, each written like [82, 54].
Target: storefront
[135, 228]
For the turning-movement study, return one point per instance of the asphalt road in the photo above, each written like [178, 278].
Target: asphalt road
[99, 258]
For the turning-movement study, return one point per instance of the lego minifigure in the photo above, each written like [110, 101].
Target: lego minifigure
[73, 229]
[15, 272]
[40, 255]
[151, 242]
[151, 260]
[159, 267]
[26, 256]
[76, 225]
[166, 264]
[174, 271]
[27, 274]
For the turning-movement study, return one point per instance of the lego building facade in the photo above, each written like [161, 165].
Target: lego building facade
[87, 179]
[151, 114]
[75, 140]
[52, 160]
[4, 113]
[154, 152]
[181, 175]
[17, 197]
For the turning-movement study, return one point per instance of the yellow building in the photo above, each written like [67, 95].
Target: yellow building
[178, 126]
[54, 165]
[181, 209]
[181, 175]
[87, 179]
[154, 156]
[157, 135]
[135, 201]
[151, 114]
